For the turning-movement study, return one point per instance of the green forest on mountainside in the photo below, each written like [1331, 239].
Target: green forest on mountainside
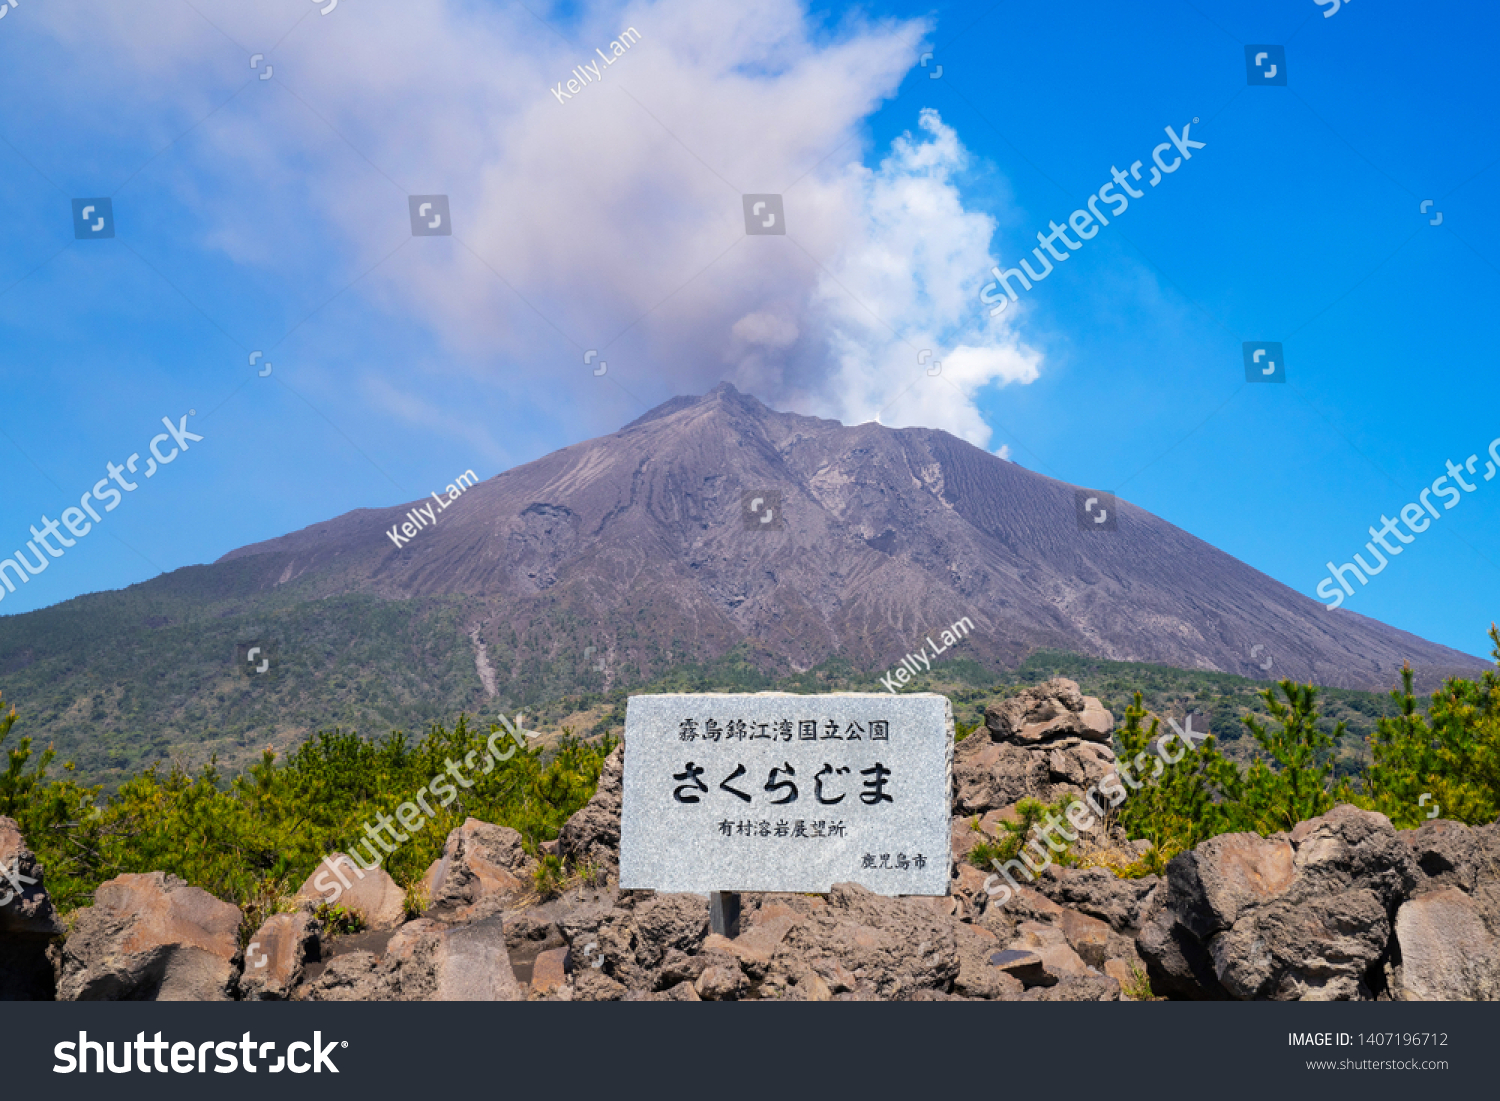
[1220, 698]
[116, 682]
[119, 681]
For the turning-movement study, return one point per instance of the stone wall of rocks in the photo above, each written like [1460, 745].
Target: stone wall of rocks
[1342, 907]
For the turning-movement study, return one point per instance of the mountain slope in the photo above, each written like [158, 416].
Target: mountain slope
[885, 536]
[615, 560]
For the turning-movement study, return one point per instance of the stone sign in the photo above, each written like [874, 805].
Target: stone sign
[779, 792]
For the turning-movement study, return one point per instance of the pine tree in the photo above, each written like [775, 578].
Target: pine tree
[1452, 755]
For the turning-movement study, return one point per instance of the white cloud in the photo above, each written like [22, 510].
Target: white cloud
[766, 329]
[913, 265]
[616, 216]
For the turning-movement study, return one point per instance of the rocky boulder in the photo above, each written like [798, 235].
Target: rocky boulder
[978, 974]
[1041, 744]
[426, 961]
[631, 942]
[27, 921]
[592, 836]
[368, 892]
[549, 972]
[481, 869]
[1449, 854]
[1300, 916]
[351, 977]
[1097, 892]
[276, 955]
[1076, 988]
[464, 963]
[1056, 960]
[870, 945]
[1448, 932]
[756, 946]
[1448, 952]
[1050, 713]
[990, 775]
[1210, 887]
[151, 938]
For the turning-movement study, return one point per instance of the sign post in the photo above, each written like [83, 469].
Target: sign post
[779, 792]
[724, 913]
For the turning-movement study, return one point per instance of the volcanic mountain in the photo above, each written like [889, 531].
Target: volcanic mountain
[618, 561]
[643, 547]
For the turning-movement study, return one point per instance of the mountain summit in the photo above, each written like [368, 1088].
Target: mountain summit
[713, 521]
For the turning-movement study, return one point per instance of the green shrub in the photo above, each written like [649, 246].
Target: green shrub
[254, 838]
[549, 876]
[338, 921]
[1170, 811]
[1202, 793]
[1265, 798]
[1453, 754]
[1139, 986]
[416, 902]
[1015, 836]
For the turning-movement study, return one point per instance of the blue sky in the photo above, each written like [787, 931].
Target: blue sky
[271, 215]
